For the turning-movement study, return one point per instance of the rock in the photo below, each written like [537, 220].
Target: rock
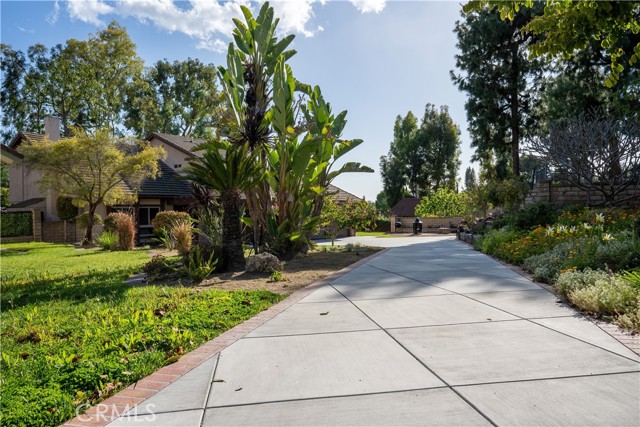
[264, 263]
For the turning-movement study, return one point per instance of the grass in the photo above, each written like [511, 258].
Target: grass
[382, 234]
[73, 333]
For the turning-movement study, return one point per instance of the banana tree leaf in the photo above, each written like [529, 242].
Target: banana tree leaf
[345, 146]
[349, 167]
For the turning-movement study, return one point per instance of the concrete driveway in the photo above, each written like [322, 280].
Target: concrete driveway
[433, 333]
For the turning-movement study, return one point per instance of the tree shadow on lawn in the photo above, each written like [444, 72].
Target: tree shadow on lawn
[76, 287]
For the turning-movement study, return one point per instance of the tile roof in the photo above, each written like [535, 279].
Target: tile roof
[29, 136]
[405, 207]
[27, 203]
[182, 143]
[340, 195]
[167, 184]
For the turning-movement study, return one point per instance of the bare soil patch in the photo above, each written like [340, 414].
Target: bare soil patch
[299, 272]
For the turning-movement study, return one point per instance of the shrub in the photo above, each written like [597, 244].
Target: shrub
[83, 220]
[609, 298]
[107, 240]
[66, 209]
[631, 319]
[182, 233]
[616, 254]
[602, 293]
[125, 228]
[444, 202]
[546, 266]
[492, 240]
[164, 221]
[572, 280]
[537, 214]
[16, 224]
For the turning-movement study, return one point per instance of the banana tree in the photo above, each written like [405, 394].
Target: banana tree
[293, 171]
[231, 170]
[326, 129]
[246, 83]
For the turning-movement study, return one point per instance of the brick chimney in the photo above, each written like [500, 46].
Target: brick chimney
[52, 128]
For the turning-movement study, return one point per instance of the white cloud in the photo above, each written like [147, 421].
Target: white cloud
[207, 21]
[88, 10]
[295, 16]
[367, 6]
[24, 30]
[52, 18]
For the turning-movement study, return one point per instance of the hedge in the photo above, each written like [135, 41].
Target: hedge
[15, 224]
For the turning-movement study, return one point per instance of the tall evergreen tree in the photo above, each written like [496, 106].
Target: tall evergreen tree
[500, 81]
[470, 180]
[423, 158]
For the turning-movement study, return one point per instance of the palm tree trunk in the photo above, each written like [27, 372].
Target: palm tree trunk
[232, 252]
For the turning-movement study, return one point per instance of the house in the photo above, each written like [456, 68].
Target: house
[166, 192]
[403, 213]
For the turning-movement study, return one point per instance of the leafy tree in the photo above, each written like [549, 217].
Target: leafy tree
[444, 202]
[334, 218]
[421, 158]
[393, 179]
[82, 82]
[179, 98]
[90, 169]
[231, 170]
[570, 26]
[381, 203]
[470, 180]
[500, 81]
[360, 215]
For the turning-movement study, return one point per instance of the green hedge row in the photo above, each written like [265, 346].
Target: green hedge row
[14, 224]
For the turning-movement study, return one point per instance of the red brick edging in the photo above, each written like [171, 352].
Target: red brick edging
[125, 400]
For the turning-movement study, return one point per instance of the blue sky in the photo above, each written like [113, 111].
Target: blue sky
[375, 59]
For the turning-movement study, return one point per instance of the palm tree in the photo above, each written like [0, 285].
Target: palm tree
[231, 170]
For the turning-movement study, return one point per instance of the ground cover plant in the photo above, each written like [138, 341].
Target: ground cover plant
[73, 333]
[588, 254]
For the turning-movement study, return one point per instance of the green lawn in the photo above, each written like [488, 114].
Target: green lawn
[72, 332]
[380, 234]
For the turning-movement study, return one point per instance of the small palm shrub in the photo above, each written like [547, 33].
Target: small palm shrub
[125, 228]
[198, 266]
[107, 240]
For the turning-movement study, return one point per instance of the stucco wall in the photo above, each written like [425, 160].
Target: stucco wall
[174, 156]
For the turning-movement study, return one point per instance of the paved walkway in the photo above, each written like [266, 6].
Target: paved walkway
[428, 334]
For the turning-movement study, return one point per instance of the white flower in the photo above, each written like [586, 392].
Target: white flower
[600, 217]
[562, 229]
[549, 231]
[574, 229]
[607, 237]
[586, 226]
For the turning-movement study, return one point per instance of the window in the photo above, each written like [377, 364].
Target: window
[178, 166]
[146, 214]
